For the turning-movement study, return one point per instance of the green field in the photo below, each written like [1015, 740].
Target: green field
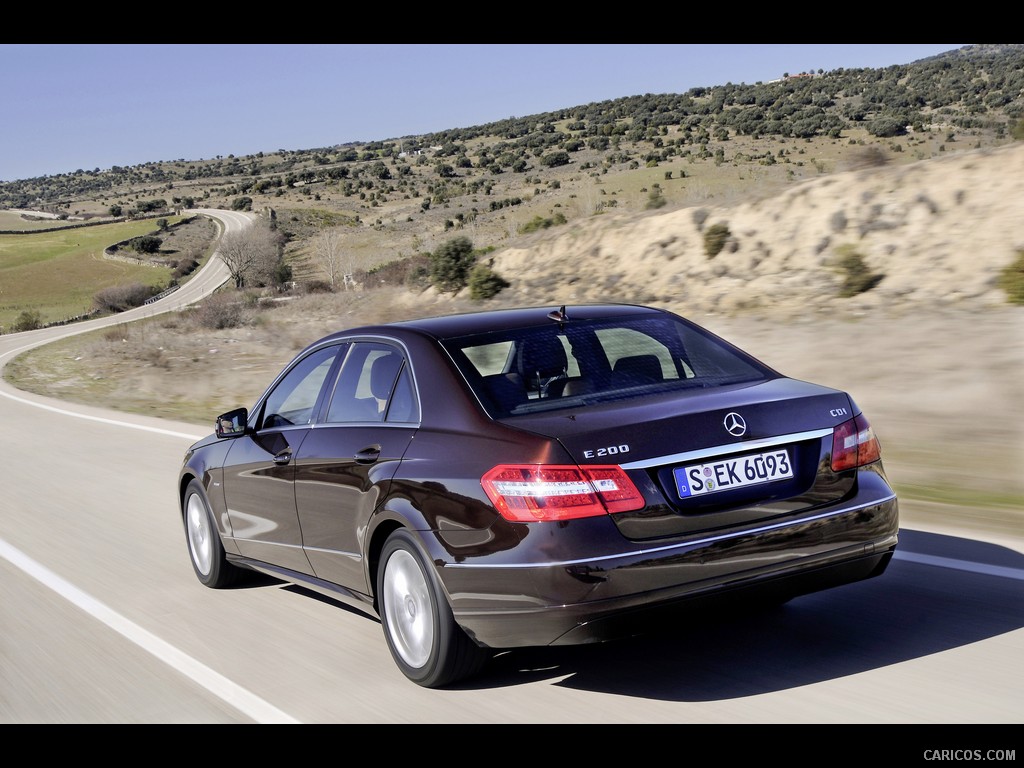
[11, 221]
[58, 273]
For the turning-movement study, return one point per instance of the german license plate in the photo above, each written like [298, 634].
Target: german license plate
[726, 474]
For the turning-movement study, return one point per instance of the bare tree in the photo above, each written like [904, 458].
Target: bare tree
[329, 253]
[253, 255]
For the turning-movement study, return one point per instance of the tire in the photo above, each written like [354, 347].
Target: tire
[205, 549]
[425, 642]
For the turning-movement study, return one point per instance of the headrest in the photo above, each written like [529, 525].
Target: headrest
[543, 356]
[638, 369]
[383, 371]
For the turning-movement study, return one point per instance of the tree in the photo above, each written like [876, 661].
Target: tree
[886, 127]
[148, 206]
[555, 159]
[254, 255]
[450, 265]
[329, 253]
[145, 244]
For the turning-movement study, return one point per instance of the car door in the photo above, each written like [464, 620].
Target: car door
[345, 465]
[259, 471]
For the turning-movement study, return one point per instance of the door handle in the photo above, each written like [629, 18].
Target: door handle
[368, 455]
[283, 457]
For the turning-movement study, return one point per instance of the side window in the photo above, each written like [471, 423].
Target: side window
[489, 359]
[295, 396]
[365, 384]
[403, 406]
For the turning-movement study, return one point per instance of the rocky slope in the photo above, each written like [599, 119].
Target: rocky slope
[937, 232]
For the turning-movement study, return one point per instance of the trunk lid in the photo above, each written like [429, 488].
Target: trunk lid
[711, 459]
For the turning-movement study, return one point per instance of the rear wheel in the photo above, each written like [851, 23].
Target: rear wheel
[204, 545]
[426, 643]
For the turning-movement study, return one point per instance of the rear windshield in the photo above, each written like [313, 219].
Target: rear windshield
[582, 362]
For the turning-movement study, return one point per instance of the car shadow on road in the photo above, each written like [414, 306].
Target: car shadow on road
[256, 580]
[940, 592]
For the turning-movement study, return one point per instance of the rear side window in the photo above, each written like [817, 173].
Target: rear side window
[490, 358]
[582, 362]
[374, 385]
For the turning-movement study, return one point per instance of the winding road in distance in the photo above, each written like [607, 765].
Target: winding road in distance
[103, 621]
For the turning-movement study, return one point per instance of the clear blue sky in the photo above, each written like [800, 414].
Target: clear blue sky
[70, 107]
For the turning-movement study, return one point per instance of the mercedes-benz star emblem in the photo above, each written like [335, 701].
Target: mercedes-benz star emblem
[735, 425]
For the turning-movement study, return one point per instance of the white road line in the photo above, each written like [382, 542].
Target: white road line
[960, 565]
[238, 697]
[116, 422]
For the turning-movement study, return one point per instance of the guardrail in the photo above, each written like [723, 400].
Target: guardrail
[159, 296]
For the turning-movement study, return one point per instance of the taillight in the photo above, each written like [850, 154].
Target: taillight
[545, 492]
[854, 444]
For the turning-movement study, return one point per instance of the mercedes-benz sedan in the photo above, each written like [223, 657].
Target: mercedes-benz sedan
[536, 477]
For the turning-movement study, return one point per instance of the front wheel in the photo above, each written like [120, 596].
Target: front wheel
[425, 642]
[204, 545]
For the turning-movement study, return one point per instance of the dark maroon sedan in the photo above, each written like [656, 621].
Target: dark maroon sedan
[537, 477]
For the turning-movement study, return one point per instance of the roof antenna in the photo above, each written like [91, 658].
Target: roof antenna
[558, 314]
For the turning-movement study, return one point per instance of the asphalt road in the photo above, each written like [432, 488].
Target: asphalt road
[103, 622]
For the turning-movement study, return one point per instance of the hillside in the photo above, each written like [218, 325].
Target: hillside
[933, 353]
[930, 234]
[864, 262]
[711, 146]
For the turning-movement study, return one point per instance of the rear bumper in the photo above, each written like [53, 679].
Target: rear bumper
[628, 592]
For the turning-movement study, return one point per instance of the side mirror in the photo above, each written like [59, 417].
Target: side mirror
[233, 423]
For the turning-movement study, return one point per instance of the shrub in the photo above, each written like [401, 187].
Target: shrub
[1011, 280]
[485, 283]
[396, 272]
[538, 223]
[418, 278]
[450, 265]
[145, 244]
[886, 127]
[316, 286]
[119, 298]
[222, 310]
[29, 320]
[148, 206]
[868, 157]
[715, 238]
[655, 199]
[857, 277]
[555, 159]
[184, 267]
